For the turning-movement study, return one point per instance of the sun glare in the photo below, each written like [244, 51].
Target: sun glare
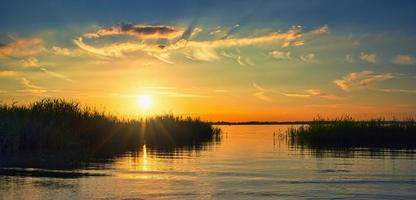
[145, 101]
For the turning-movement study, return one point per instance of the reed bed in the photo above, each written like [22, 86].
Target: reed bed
[346, 132]
[64, 127]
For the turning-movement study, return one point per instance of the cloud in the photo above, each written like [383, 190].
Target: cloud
[196, 31]
[404, 60]
[299, 43]
[8, 73]
[164, 57]
[369, 57]
[320, 93]
[261, 92]
[281, 55]
[22, 47]
[296, 95]
[192, 49]
[116, 49]
[63, 51]
[231, 31]
[321, 30]
[361, 79]
[56, 75]
[220, 91]
[290, 35]
[228, 54]
[217, 30]
[142, 31]
[286, 55]
[311, 93]
[239, 60]
[30, 62]
[202, 54]
[310, 57]
[30, 87]
[394, 90]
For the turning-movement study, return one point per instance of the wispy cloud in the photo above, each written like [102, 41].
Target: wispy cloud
[220, 91]
[245, 61]
[321, 30]
[396, 90]
[196, 31]
[202, 54]
[296, 95]
[30, 87]
[195, 50]
[241, 60]
[117, 49]
[369, 57]
[281, 55]
[290, 35]
[311, 93]
[286, 55]
[261, 92]
[22, 47]
[56, 75]
[231, 31]
[217, 30]
[310, 57]
[404, 60]
[361, 79]
[164, 57]
[63, 51]
[138, 30]
[30, 62]
[8, 73]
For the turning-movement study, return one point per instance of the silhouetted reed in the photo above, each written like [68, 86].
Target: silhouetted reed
[57, 126]
[346, 132]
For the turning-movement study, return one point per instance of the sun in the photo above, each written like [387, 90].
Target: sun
[145, 101]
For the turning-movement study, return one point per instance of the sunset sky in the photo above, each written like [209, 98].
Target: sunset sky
[221, 60]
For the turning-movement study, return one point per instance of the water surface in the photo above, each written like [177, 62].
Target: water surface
[249, 162]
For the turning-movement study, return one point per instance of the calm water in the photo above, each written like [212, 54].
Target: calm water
[250, 162]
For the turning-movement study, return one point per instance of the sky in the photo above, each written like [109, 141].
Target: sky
[219, 60]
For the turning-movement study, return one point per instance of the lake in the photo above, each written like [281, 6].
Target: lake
[249, 162]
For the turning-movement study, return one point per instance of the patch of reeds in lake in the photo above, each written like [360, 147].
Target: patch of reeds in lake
[346, 132]
[57, 126]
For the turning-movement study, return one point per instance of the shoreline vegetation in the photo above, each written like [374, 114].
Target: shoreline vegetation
[347, 133]
[261, 123]
[64, 133]
[61, 128]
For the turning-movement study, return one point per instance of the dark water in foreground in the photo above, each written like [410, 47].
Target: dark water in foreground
[248, 163]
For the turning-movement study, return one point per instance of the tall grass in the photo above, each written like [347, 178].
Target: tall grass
[346, 132]
[58, 125]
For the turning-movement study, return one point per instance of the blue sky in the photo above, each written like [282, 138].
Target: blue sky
[286, 59]
[356, 16]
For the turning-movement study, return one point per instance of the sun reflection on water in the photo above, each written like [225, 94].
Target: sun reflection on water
[144, 158]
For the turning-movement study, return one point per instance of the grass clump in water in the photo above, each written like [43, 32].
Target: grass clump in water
[58, 125]
[346, 132]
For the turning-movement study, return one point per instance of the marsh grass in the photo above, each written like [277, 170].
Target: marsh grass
[61, 127]
[346, 132]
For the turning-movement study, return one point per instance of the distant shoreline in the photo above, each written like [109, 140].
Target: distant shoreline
[291, 122]
[261, 123]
